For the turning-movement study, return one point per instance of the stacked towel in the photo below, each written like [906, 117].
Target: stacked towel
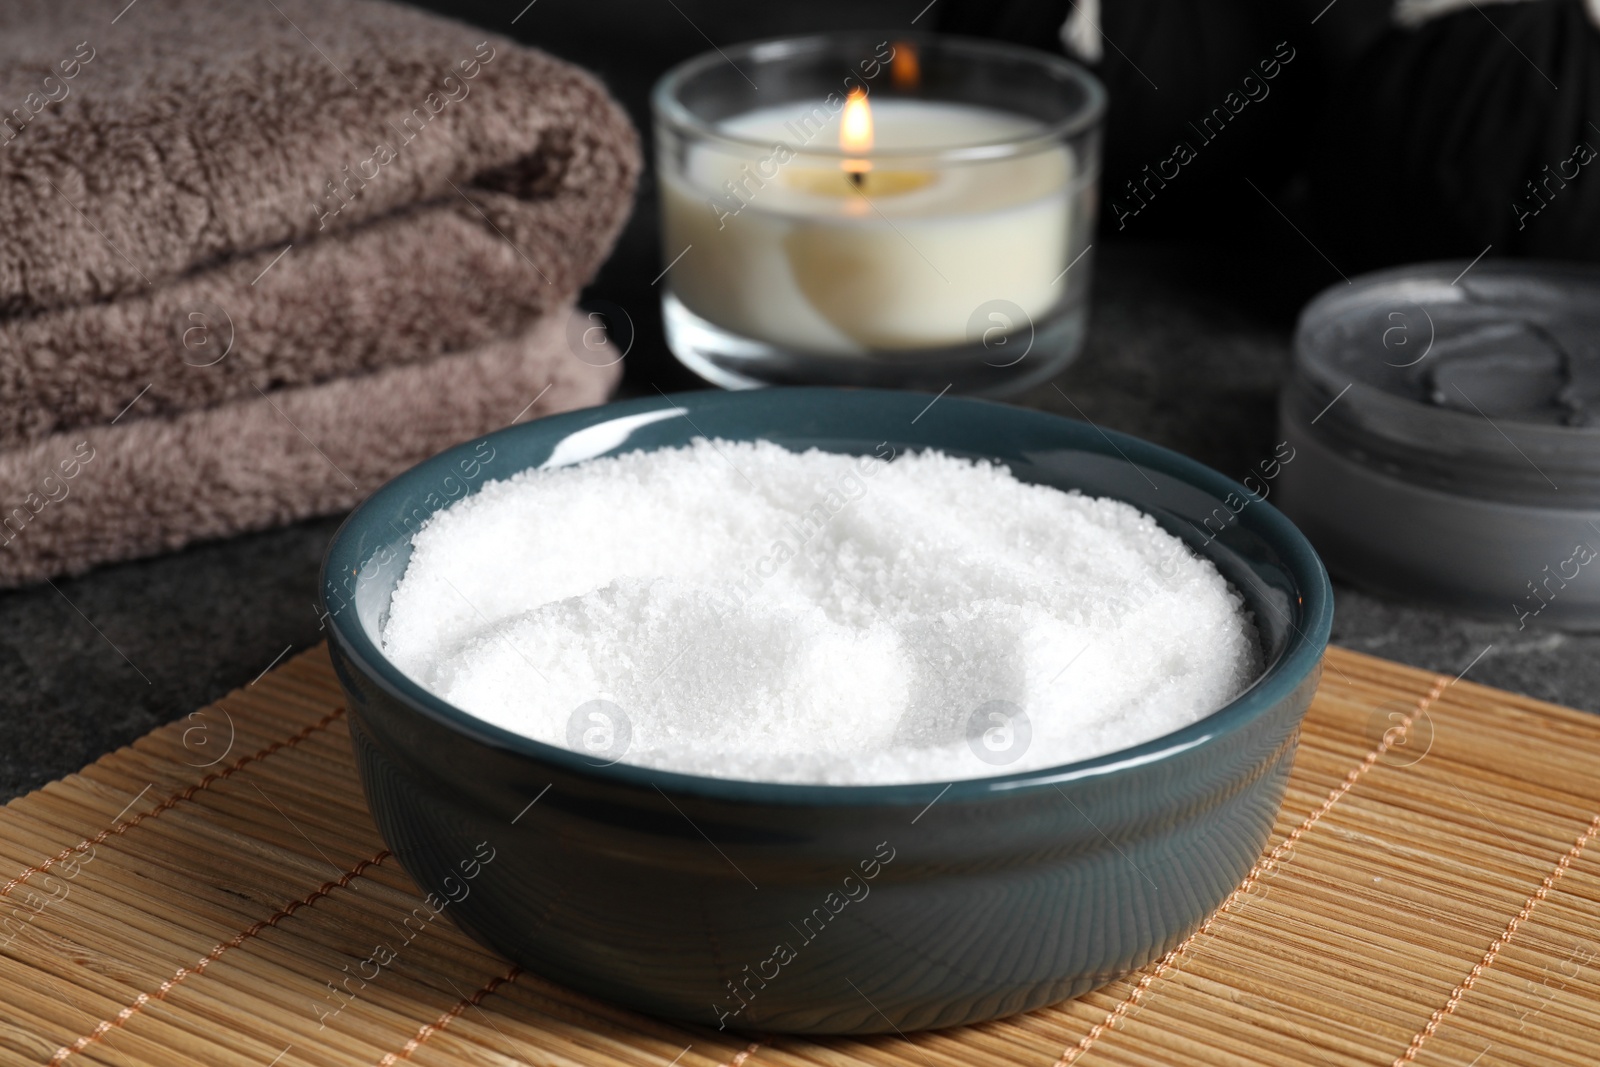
[259, 258]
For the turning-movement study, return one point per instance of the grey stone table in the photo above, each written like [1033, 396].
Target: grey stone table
[1186, 348]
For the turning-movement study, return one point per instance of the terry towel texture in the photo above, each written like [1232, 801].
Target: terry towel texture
[210, 207]
[153, 485]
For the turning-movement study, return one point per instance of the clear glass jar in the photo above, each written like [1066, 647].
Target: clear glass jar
[913, 211]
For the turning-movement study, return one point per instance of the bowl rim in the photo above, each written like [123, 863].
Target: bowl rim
[1299, 660]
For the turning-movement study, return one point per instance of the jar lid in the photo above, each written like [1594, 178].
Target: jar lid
[1483, 381]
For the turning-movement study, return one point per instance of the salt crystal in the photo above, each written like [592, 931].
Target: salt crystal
[739, 610]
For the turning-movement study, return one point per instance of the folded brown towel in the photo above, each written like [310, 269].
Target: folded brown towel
[331, 187]
[151, 485]
[256, 259]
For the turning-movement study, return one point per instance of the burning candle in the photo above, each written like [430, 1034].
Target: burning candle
[855, 136]
[883, 218]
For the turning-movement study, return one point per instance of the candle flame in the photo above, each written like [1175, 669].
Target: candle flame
[855, 131]
[905, 68]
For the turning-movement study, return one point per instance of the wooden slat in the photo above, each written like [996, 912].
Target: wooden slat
[1431, 896]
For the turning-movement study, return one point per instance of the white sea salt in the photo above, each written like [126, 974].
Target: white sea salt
[743, 611]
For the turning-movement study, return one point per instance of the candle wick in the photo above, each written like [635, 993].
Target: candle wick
[857, 177]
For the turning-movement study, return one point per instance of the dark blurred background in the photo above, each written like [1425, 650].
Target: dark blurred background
[1196, 52]
[1374, 145]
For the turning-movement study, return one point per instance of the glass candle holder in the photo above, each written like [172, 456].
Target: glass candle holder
[910, 211]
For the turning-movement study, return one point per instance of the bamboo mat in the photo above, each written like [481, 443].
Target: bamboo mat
[1429, 897]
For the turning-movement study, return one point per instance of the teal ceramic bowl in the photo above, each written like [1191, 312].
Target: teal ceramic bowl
[829, 909]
